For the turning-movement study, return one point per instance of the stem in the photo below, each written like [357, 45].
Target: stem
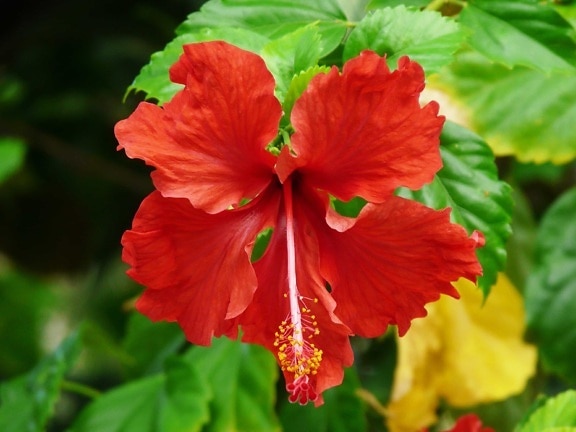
[80, 389]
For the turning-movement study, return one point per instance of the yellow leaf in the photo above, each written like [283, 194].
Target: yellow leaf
[463, 352]
[519, 112]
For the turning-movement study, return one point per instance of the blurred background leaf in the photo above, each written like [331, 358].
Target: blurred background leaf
[148, 344]
[27, 402]
[12, 152]
[556, 414]
[342, 411]
[243, 382]
[520, 33]
[25, 310]
[519, 112]
[172, 401]
[551, 289]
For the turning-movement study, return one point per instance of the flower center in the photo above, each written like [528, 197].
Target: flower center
[296, 352]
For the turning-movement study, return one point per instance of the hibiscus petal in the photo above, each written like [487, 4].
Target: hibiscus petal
[397, 257]
[270, 307]
[469, 423]
[196, 266]
[208, 143]
[363, 132]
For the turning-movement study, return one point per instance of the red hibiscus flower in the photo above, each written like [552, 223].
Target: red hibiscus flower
[323, 277]
[469, 423]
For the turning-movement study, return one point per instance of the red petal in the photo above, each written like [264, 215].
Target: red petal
[196, 266]
[363, 133]
[397, 257]
[469, 423]
[208, 143]
[269, 307]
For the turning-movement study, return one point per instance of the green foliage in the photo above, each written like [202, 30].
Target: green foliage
[568, 10]
[425, 37]
[551, 289]
[154, 78]
[556, 414]
[520, 246]
[25, 299]
[172, 401]
[261, 243]
[289, 47]
[270, 18]
[520, 112]
[291, 54]
[298, 84]
[469, 184]
[342, 410]
[376, 364]
[27, 402]
[520, 33]
[12, 151]
[242, 381]
[375, 4]
[149, 344]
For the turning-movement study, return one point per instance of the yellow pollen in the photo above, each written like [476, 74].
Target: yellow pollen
[296, 353]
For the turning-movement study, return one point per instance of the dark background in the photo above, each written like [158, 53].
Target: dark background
[64, 70]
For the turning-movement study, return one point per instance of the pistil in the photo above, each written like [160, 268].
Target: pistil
[296, 352]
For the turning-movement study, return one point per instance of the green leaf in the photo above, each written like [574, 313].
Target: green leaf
[377, 4]
[546, 173]
[566, 8]
[376, 363]
[243, 381]
[350, 208]
[292, 54]
[261, 244]
[25, 299]
[342, 411]
[520, 246]
[469, 184]
[271, 18]
[12, 152]
[297, 86]
[520, 32]
[424, 36]
[550, 293]
[149, 344]
[354, 10]
[557, 414]
[27, 402]
[154, 78]
[173, 401]
[519, 112]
